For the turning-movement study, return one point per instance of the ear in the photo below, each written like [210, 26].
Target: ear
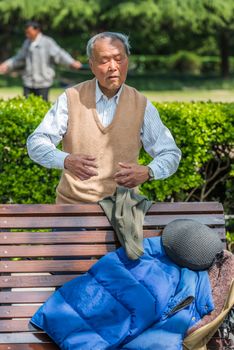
[90, 64]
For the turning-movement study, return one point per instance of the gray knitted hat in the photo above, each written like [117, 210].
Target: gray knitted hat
[191, 244]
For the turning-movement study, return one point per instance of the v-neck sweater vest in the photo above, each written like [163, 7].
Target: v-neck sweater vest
[118, 142]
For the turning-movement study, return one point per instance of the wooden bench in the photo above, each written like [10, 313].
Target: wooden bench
[28, 244]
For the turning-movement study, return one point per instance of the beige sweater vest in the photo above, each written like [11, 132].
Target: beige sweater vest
[118, 142]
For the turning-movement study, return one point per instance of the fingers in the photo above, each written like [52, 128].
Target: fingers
[126, 182]
[131, 175]
[76, 65]
[126, 170]
[125, 176]
[126, 165]
[125, 179]
[82, 166]
[88, 162]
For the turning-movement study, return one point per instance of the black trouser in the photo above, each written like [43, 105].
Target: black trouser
[43, 92]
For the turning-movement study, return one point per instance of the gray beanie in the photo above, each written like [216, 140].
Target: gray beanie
[191, 244]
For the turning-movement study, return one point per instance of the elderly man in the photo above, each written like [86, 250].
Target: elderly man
[102, 124]
[37, 56]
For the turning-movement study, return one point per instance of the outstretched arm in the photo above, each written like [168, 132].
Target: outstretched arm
[60, 56]
[16, 61]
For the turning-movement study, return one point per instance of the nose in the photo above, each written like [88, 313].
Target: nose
[112, 65]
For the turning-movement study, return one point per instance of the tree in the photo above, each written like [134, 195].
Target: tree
[69, 14]
[154, 26]
[220, 22]
[61, 16]
[140, 19]
[203, 18]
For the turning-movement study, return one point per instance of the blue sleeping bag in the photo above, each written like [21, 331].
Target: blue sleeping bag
[119, 299]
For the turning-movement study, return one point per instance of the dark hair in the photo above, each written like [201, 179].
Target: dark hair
[34, 24]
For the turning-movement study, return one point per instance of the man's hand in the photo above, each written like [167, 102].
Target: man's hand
[76, 65]
[3, 68]
[131, 175]
[82, 166]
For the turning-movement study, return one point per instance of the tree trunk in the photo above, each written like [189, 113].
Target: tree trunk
[224, 53]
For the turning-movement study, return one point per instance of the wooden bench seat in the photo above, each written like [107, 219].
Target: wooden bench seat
[28, 246]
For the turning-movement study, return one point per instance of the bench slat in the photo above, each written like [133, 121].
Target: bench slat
[95, 209]
[24, 297]
[55, 250]
[64, 237]
[207, 219]
[23, 325]
[46, 265]
[29, 346]
[57, 237]
[74, 237]
[101, 222]
[34, 281]
[24, 337]
[19, 311]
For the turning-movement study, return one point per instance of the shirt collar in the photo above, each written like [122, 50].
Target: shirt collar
[99, 93]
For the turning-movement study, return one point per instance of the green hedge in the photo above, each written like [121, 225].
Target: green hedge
[21, 180]
[203, 131]
[185, 62]
[205, 134]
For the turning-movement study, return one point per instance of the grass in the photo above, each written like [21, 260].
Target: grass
[191, 95]
[159, 96]
[156, 87]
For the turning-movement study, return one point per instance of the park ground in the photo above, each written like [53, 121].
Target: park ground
[159, 96]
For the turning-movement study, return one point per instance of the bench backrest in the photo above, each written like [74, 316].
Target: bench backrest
[32, 255]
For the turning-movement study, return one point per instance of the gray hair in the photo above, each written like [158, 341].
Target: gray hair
[114, 36]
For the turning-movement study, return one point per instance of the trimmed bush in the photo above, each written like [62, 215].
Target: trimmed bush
[23, 181]
[203, 131]
[185, 62]
[205, 134]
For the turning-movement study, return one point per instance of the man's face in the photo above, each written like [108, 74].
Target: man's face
[31, 33]
[109, 63]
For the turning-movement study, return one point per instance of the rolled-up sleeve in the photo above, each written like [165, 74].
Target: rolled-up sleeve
[159, 143]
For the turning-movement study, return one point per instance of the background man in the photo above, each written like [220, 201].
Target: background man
[37, 56]
[103, 124]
